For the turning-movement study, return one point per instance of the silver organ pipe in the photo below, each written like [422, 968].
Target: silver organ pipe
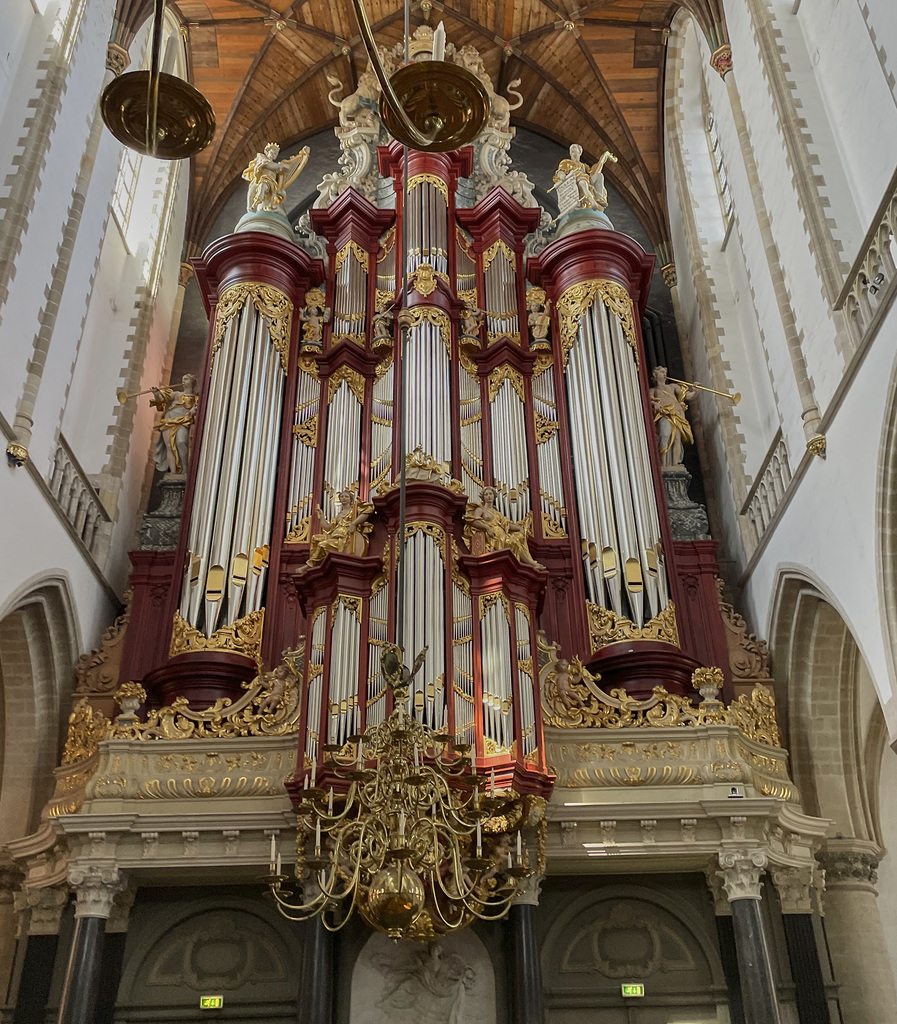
[350, 295]
[462, 664]
[235, 476]
[500, 278]
[471, 415]
[343, 447]
[375, 705]
[429, 395]
[381, 428]
[548, 455]
[510, 462]
[345, 641]
[525, 681]
[465, 268]
[498, 699]
[426, 223]
[386, 269]
[315, 677]
[300, 503]
[425, 619]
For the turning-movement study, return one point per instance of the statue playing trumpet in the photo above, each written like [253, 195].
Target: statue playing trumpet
[178, 407]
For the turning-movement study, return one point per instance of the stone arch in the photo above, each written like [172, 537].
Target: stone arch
[38, 650]
[886, 523]
[818, 669]
[631, 933]
[238, 947]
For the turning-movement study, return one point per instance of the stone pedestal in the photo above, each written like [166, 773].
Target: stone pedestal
[740, 872]
[862, 968]
[159, 529]
[688, 519]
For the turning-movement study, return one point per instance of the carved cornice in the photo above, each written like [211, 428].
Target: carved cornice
[45, 907]
[741, 871]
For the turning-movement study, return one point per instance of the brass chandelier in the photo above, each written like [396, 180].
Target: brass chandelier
[403, 830]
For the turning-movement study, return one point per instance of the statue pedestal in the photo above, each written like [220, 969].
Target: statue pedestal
[582, 220]
[269, 222]
[688, 519]
[159, 529]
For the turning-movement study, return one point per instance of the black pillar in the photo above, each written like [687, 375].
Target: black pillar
[524, 967]
[729, 960]
[761, 1005]
[34, 982]
[316, 996]
[110, 976]
[803, 955]
[82, 976]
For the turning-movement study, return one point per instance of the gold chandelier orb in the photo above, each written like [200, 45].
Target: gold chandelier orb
[185, 122]
[395, 899]
[442, 100]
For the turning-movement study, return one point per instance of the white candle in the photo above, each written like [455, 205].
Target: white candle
[492, 784]
[402, 824]
[318, 836]
[476, 796]
[305, 784]
[519, 846]
[479, 840]
[439, 42]
[416, 762]
[279, 863]
[273, 850]
[330, 802]
[314, 772]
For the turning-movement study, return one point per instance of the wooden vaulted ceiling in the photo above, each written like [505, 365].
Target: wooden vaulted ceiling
[591, 74]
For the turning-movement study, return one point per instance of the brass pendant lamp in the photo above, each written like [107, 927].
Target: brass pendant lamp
[433, 106]
[157, 114]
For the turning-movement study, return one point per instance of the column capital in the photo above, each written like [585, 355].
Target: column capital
[795, 888]
[529, 891]
[45, 907]
[714, 879]
[122, 902]
[96, 887]
[740, 871]
[849, 868]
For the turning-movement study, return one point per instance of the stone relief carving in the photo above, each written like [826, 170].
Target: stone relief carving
[449, 982]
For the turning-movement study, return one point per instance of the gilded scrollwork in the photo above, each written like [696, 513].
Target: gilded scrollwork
[416, 180]
[87, 728]
[606, 627]
[502, 373]
[97, 671]
[241, 637]
[360, 254]
[578, 299]
[271, 304]
[498, 247]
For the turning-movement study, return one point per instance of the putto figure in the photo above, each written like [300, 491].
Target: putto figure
[178, 408]
[539, 319]
[346, 534]
[499, 532]
[269, 178]
[673, 429]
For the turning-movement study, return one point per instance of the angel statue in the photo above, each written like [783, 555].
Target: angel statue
[673, 429]
[269, 178]
[345, 534]
[590, 192]
[178, 408]
[499, 532]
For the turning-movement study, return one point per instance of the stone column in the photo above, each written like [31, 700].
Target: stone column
[794, 886]
[740, 872]
[524, 961]
[725, 934]
[316, 996]
[862, 968]
[40, 916]
[96, 888]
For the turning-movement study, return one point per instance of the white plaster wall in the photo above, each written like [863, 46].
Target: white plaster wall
[16, 18]
[855, 90]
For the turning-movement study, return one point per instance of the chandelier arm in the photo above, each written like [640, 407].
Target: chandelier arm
[392, 100]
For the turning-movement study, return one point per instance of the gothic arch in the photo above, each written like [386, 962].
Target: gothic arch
[38, 649]
[886, 522]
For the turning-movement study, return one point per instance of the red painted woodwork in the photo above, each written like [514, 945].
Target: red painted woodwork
[499, 217]
[201, 676]
[352, 218]
[638, 666]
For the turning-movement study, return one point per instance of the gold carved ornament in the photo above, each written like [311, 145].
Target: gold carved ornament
[496, 248]
[352, 377]
[241, 637]
[271, 304]
[360, 254]
[307, 431]
[572, 699]
[416, 180]
[606, 627]
[545, 427]
[578, 299]
[425, 278]
[87, 728]
[502, 373]
[433, 315]
[271, 706]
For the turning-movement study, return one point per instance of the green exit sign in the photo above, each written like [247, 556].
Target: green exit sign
[211, 1002]
[632, 990]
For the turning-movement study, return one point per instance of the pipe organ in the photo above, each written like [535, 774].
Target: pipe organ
[531, 481]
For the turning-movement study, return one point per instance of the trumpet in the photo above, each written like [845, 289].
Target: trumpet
[734, 399]
[123, 395]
